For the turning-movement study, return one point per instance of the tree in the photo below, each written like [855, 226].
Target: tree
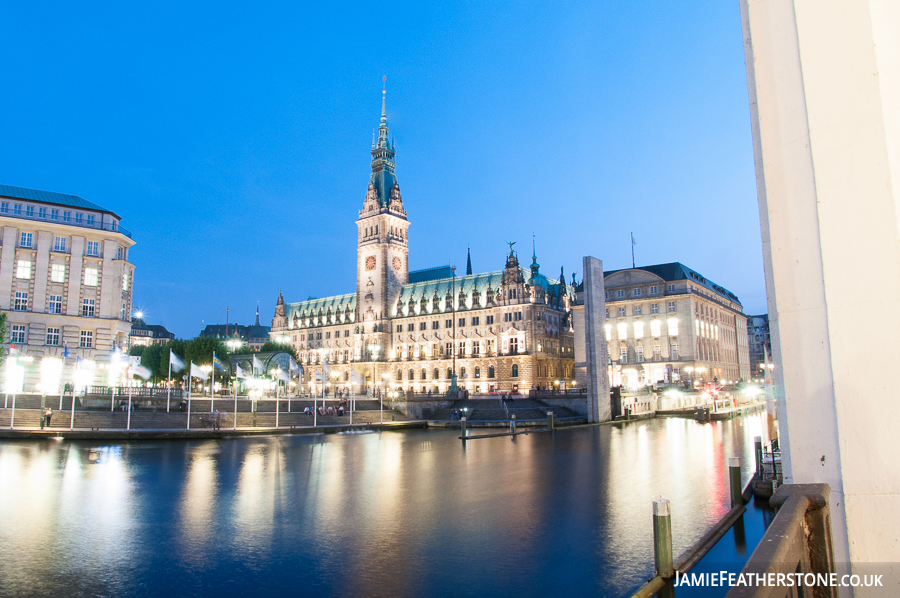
[273, 346]
[137, 350]
[200, 349]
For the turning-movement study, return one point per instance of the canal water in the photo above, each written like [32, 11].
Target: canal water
[413, 513]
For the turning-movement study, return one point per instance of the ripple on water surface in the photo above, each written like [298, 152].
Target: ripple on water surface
[412, 513]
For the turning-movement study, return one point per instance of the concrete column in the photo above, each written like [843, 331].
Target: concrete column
[824, 86]
[596, 359]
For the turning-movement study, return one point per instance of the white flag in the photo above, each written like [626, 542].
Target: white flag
[142, 372]
[282, 375]
[239, 372]
[325, 367]
[176, 363]
[293, 367]
[258, 366]
[196, 372]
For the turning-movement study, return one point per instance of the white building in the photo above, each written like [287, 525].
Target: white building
[669, 323]
[65, 283]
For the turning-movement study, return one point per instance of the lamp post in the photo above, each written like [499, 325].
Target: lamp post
[453, 386]
[373, 350]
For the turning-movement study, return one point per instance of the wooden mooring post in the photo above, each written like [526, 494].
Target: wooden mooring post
[462, 429]
[662, 538]
[734, 469]
[550, 421]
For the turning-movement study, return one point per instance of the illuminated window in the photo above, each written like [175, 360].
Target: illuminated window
[638, 330]
[125, 285]
[655, 327]
[23, 269]
[608, 329]
[622, 329]
[90, 277]
[673, 326]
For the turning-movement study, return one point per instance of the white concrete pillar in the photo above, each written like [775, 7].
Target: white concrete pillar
[596, 359]
[824, 83]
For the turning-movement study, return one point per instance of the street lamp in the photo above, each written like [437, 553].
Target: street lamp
[373, 350]
[233, 344]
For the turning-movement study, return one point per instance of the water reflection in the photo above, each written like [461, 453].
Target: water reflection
[400, 514]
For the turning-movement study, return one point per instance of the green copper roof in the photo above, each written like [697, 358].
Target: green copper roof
[314, 307]
[59, 199]
[427, 274]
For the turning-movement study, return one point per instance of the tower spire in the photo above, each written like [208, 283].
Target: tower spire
[535, 267]
[257, 313]
[383, 96]
[468, 261]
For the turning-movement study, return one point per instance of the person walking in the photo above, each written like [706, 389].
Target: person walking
[48, 413]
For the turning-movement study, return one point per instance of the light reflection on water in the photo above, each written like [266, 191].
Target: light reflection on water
[415, 513]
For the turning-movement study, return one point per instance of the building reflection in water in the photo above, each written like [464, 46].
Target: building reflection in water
[401, 514]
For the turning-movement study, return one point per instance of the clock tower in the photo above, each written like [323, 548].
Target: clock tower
[382, 252]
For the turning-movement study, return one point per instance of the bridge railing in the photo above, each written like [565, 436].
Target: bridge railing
[797, 541]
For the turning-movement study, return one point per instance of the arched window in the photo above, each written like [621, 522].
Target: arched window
[515, 370]
[437, 373]
[424, 377]
[399, 374]
[490, 371]
[477, 372]
[412, 374]
[449, 373]
[462, 372]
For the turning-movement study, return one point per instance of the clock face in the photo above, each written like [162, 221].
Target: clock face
[397, 263]
[370, 262]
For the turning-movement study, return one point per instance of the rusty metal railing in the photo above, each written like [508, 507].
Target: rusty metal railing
[797, 541]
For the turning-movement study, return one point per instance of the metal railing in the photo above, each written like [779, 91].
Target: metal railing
[797, 541]
[107, 226]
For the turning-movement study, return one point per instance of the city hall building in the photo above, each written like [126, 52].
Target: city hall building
[502, 331]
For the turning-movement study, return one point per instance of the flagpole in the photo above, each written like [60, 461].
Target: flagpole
[632, 251]
[61, 387]
[169, 386]
[190, 380]
[128, 423]
[277, 406]
[212, 385]
[234, 423]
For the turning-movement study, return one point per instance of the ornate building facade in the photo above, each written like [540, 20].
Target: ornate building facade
[502, 331]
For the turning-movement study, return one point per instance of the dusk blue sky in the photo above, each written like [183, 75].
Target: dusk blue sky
[234, 139]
